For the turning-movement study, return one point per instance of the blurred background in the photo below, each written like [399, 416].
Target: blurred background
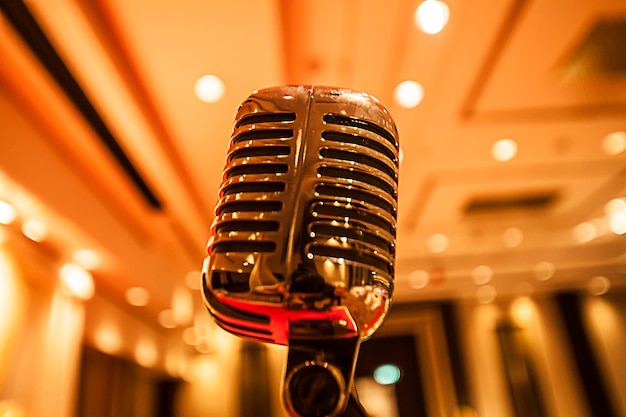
[115, 117]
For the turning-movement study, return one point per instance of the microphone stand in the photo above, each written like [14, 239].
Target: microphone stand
[354, 408]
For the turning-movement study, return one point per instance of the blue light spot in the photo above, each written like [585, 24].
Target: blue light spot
[387, 374]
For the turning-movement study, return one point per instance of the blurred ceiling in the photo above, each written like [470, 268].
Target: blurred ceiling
[131, 168]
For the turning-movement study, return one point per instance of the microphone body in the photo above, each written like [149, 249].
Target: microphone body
[302, 251]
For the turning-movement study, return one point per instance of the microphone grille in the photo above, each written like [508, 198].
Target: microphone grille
[329, 163]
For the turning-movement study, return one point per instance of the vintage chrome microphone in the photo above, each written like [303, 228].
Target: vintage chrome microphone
[302, 251]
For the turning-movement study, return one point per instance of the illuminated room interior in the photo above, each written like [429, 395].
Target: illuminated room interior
[510, 286]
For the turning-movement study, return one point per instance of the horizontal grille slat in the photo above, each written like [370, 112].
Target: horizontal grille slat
[340, 137]
[249, 206]
[272, 117]
[355, 194]
[253, 187]
[246, 246]
[262, 134]
[352, 174]
[352, 233]
[352, 255]
[340, 120]
[351, 156]
[247, 226]
[259, 151]
[364, 216]
[252, 169]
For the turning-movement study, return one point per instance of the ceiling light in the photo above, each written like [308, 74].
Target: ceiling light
[107, 338]
[137, 296]
[504, 150]
[512, 237]
[614, 143]
[209, 88]
[438, 243]
[87, 258]
[146, 353]
[522, 311]
[431, 16]
[482, 274]
[544, 270]
[408, 94]
[191, 336]
[76, 281]
[193, 280]
[419, 279]
[166, 319]
[615, 206]
[486, 294]
[617, 223]
[8, 213]
[599, 285]
[34, 230]
[585, 232]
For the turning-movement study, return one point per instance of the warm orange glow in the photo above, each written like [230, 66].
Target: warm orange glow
[431, 16]
[616, 214]
[182, 306]
[409, 94]
[614, 143]
[543, 270]
[379, 400]
[598, 285]
[482, 274]
[486, 294]
[585, 232]
[11, 409]
[504, 150]
[438, 243]
[107, 338]
[76, 281]
[137, 296]
[604, 318]
[205, 370]
[193, 280]
[87, 258]
[146, 353]
[209, 88]
[8, 213]
[166, 319]
[34, 230]
[522, 311]
[419, 279]
[11, 307]
[512, 237]
[191, 336]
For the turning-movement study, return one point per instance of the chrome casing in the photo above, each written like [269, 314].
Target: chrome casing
[304, 236]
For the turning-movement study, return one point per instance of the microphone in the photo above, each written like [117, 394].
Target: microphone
[302, 250]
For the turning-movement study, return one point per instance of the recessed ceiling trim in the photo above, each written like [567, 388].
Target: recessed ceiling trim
[29, 30]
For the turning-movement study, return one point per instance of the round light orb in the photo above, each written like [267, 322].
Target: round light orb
[614, 143]
[408, 94]
[387, 374]
[419, 279]
[209, 88]
[137, 296]
[76, 281]
[8, 213]
[431, 16]
[504, 150]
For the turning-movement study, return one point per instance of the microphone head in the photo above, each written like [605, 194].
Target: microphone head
[303, 241]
